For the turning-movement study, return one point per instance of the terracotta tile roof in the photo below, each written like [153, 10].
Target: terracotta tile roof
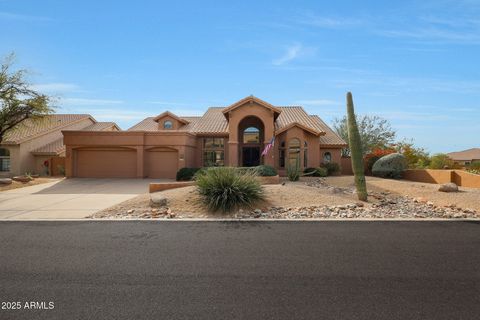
[213, 121]
[292, 114]
[331, 138]
[149, 124]
[101, 126]
[57, 147]
[53, 148]
[469, 155]
[29, 128]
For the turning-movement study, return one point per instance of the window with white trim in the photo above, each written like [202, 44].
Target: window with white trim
[4, 160]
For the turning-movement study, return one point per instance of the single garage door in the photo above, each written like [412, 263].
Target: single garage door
[162, 163]
[106, 163]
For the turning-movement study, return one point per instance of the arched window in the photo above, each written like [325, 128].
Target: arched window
[281, 158]
[327, 157]
[305, 154]
[251, 135]
[294, 152]
[4, 160]
[168, 124]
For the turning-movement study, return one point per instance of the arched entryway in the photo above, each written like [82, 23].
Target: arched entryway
[251, 132]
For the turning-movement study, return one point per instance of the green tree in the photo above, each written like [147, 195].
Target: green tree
[375, 132]
[355, 142]
[18, 102]
[416, 157]
[441, 161]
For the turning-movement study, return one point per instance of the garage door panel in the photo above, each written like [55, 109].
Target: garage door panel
[162, 164]
[106, 164]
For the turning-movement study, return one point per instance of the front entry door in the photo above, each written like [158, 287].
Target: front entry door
[251, 156]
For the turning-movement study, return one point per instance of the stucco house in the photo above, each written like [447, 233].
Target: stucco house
[234, 135]
[465, 157]
[32, 143]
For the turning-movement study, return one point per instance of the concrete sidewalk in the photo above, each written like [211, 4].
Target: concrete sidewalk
[69, 198]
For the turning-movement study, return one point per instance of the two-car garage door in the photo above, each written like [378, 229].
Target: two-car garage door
[122, 163]
[105, 163]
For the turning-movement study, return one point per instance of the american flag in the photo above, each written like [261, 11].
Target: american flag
[268, 146]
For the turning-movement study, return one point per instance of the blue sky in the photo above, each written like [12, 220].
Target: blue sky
[415, 63]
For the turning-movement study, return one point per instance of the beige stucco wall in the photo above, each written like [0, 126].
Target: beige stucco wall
[21, 158]
[461, 178]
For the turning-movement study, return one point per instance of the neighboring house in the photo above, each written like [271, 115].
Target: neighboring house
[224, 136]
[32, 143]
[466, 157]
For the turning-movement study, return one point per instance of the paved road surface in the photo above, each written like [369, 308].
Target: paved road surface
[242, 270]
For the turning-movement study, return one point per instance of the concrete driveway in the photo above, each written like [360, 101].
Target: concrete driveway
[68, 198]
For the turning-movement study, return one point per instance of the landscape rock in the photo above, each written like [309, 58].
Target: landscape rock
[5, 181]
[448, 187]
[23, 179]
[157, 199]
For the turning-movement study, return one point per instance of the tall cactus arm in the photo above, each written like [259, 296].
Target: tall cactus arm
[355, 145]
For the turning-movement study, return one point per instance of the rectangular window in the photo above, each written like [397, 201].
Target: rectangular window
[4, 164]
[282, 158]
[213, 152]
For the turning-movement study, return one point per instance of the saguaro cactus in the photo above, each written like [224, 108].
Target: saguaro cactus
[355, 145]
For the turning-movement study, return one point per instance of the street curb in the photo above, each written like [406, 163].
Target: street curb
[251, 220]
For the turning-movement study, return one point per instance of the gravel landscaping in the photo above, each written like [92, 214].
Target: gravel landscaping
[17, 184]
[322, 198]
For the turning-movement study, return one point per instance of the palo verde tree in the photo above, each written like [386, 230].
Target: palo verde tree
[355, 143]
[18, 101]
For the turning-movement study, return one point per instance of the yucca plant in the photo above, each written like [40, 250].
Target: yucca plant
[355, 144]
[225, 188]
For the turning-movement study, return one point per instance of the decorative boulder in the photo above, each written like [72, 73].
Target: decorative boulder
[448, 187]
[390, 166]
[23, 179]
[5, 181]
[157, 199]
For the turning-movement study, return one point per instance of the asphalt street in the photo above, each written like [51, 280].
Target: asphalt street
[240, 270]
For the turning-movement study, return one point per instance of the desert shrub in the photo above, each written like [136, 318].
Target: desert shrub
[475, 165]
[61, 169]
[266, 171]
[441, 161]
[333, 168]
[390, 166]
[226, 188]
[315, 172]
[262, 170]
[293, 172]
[186, 174]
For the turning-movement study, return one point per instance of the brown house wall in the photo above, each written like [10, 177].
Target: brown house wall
[128, 153]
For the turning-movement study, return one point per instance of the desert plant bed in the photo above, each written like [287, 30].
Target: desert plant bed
[315, 198]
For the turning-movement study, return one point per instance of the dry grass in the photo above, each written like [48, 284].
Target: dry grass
[16, 184]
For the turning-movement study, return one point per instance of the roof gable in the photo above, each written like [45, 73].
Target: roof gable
[171, 115]
[301, 126]
[251, 99]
